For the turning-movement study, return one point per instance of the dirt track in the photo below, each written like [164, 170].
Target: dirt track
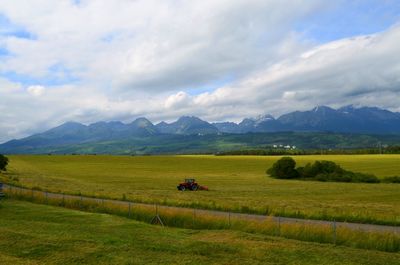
[228, 215]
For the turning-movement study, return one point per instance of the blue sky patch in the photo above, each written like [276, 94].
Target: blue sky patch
[210, 87]
[7, 28]
[350, 18]
[51, 79]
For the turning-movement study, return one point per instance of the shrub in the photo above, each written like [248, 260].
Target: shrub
[284, 168]
[394, 179]
[323, 170]
[366, 178]
[320, 171]
[3, 162]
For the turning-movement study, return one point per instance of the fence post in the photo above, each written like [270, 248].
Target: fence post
[334, 231]
[194, 217]
[63, 200]
[129, 209]
[81, 202]
[156, 219]
[229, 219]
[279, 226]
[47, 202]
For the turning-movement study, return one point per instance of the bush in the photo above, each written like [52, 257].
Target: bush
[394, 179]
[284, 168]
[365, 178]
[323, 169]
[320, 171]
[335, 177]
[3, 162]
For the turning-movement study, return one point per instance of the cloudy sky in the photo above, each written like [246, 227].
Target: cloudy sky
[92, 60]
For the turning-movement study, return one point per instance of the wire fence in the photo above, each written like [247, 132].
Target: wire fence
[308, 230]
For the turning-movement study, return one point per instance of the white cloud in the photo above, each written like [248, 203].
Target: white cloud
[178, 100]
[117, 60]
[36, 90]
[150, 45]
[364, 70]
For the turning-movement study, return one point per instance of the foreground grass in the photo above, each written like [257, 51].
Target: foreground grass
[237, 183]
[387, 241]
[38, 234]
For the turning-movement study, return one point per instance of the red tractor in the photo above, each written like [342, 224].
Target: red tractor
[190, 184]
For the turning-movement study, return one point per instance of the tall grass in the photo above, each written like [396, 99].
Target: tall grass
[197, 219]
[364, 216]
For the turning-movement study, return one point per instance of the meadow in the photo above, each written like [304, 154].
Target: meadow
[41, 234]
[236, 183]
[330, 233]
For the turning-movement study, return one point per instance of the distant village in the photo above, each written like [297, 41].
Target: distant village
[282, 146]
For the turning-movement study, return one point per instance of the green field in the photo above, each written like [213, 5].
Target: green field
[236, 183]
[39, 234]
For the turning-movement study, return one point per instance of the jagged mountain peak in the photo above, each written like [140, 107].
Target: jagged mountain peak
[187, 125]
[70, 124]
[322, 108]
[142, 122]
[347, 108]
[67, 127]
[190, 119]
[348, 119]
[263, 118]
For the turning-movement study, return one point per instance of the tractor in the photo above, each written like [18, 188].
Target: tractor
[190, 184]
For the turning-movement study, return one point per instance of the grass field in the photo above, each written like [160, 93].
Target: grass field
[373, 239]
[236, 183]
[39, 234]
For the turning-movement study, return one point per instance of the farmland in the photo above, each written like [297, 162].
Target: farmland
[53, 235]
[237, 183]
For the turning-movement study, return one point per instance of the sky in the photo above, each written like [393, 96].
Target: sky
[100, 60]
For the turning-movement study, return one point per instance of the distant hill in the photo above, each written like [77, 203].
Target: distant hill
[337, 126]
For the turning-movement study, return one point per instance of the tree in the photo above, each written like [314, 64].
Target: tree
[3, 162]
[284, 168]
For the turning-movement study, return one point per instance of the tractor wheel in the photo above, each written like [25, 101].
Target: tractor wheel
[195, 187]
[182, 188]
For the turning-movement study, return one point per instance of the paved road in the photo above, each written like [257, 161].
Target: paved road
[231, 215]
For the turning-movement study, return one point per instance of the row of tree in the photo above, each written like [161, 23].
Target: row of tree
[285, 168]
[336, 151]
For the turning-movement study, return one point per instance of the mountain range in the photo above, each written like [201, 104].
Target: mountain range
[349, 119]
[346, 119]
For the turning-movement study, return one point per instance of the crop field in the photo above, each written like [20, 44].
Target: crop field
[236, 183]
[54, 235]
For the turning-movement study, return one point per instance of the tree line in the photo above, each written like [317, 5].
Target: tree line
[322, 151]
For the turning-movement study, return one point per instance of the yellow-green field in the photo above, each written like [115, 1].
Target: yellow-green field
[39, 234]
[236, 183]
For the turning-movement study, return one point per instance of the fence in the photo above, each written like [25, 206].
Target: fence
[384, 238]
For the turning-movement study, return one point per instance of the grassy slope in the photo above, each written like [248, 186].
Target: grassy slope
[38, 234]
[234, 182]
